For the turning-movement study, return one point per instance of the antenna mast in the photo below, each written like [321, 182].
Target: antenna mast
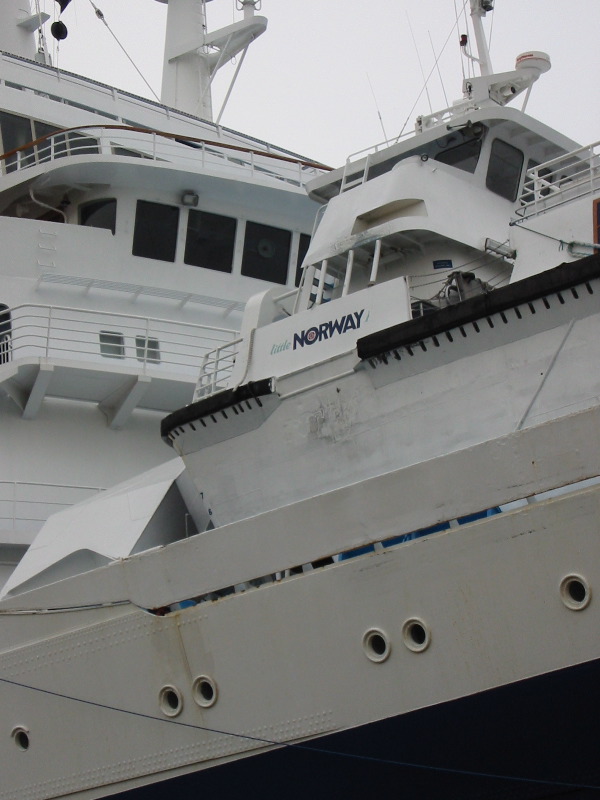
[193, 56]
[479, 9]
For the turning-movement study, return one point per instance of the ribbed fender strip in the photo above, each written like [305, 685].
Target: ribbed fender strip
[540, 285]
[213, 404]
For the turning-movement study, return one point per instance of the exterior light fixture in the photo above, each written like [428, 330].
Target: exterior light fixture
[189, 198]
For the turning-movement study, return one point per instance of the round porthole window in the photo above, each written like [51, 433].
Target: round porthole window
[205, 691]
[20, 736]
[416, 635]
[171, 701]
[376, 645]
[575, 592]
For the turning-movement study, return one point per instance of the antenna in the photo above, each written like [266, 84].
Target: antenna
[377, 107]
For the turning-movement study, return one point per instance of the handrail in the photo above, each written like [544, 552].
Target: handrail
[25, 501]
[166, 135]
[560, 180]
[42, 331]
[217, 368]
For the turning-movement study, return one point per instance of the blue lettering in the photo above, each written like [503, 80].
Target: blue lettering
[326, 330]
[336, 326]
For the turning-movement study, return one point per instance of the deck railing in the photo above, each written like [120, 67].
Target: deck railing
[60, 332]
[27, 505]
[561, 180]
[132, 142]
[216, 370]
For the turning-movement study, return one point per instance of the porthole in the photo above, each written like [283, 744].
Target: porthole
[376, 645]
[575, 592]
[416, 635]
[204, 690]
[171, 701]
[21, 738]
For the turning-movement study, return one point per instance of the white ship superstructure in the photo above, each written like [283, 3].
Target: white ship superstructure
[133, 233]
[372, 569]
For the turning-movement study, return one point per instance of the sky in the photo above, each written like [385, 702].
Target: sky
[318, 81]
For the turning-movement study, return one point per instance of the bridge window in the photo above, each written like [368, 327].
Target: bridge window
[210, 241]
[462, 156]
[99, 214]
[155, 232]
[266, 253]
[504, 169]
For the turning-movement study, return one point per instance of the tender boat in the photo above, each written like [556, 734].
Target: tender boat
[371, 567]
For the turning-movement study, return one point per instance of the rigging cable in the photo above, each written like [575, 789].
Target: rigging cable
[462, 61]
[306, 747]
[410, 113]
[438, 71]
[420, 63]
[100, 16]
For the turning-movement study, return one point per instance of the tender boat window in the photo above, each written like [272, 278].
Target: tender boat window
[147, 350]
[210, 241]
[155, 233]
[266, 253]
[112, 344]
[504, 169]
[462, 156]
[302, 250]
[460, 148]
[99, 214]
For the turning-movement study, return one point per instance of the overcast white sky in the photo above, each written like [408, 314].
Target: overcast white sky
[306, 83]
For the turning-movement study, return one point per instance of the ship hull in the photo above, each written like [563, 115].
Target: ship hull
[531, 739]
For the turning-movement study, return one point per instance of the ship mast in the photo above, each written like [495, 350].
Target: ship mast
[193, 55]
[479, 9]
[18, 27]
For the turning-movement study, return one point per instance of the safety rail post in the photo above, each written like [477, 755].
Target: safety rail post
[348, 275]
[375, 267]
[321, 285]
[48, 331]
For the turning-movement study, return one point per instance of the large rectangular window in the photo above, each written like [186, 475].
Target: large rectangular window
[16, 132]
[504, 169]
[99, 214]
[266, 253]
[155, 232]
[210, 241]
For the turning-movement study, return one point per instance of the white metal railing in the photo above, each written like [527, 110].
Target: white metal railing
[217, 367]
[561, 180]
[27, 504]
[123, 140]
[39, 331]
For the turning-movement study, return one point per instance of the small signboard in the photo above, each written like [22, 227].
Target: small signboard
[442, 263]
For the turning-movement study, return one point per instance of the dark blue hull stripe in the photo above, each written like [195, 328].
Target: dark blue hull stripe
[541, 735]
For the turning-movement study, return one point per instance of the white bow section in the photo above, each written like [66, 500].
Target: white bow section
[104, 528]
